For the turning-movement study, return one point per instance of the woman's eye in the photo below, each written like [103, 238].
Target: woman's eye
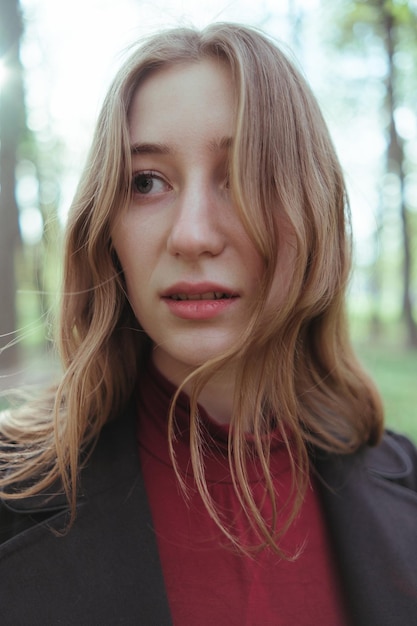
[146, 183]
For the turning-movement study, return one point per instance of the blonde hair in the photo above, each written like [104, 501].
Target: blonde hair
[297, 365]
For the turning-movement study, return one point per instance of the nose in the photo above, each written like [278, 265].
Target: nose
[198, 223]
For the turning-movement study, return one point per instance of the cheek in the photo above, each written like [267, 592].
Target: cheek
[130, 256]
[131, 239]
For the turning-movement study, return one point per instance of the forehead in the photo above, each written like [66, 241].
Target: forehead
[183, 98]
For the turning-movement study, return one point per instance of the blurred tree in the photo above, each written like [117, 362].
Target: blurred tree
[12, 124]
[394, 24]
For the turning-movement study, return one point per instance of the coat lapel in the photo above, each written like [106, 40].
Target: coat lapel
[370, 503]
[106, 569]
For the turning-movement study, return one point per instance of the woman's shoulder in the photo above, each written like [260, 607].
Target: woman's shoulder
[393, 460]
[112, 464]
[369, 499]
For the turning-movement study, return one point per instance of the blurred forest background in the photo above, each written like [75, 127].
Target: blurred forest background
[56, 60]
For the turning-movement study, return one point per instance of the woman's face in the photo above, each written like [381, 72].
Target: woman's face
[191, 271]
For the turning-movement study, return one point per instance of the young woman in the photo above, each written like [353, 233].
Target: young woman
[214, 453]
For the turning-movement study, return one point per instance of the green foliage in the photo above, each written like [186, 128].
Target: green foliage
[380, 35]
[394, 370]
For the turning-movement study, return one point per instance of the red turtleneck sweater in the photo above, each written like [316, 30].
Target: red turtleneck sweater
[208, 582]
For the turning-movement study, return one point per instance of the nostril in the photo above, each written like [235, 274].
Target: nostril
[192, 237]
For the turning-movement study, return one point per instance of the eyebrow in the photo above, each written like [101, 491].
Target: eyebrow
[214, 145]
[150, 148]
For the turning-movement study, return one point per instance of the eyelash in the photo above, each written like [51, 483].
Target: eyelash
[147, 175]
[151, 175]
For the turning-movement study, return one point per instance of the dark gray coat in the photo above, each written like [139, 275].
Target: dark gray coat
[106, 570]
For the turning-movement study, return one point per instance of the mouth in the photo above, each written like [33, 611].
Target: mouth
[199, 302]
[209, 295]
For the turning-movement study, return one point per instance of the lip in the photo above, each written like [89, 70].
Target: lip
[198, 309]
[194, 289]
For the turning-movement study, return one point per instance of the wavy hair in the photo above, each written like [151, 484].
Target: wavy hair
[297, 365]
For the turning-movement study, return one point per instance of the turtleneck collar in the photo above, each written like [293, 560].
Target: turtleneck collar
[154, 400]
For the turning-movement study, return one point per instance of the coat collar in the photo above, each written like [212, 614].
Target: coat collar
[114, 459]
[106, 568]
[369, 501]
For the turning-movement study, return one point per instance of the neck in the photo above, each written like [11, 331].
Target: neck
[216, 398]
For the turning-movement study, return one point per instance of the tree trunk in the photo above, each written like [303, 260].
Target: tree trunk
[396, 165]
[11, 126]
